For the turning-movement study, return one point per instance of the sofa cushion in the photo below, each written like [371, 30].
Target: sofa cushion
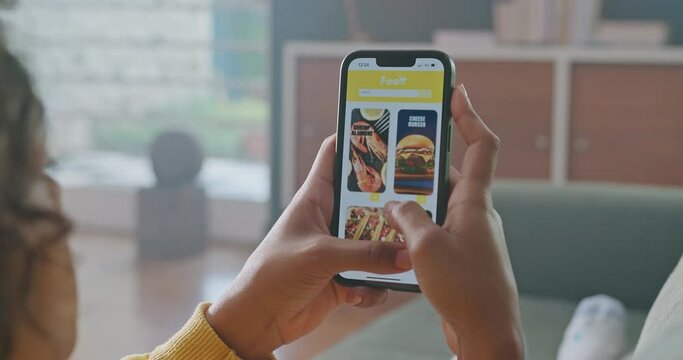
[414, 332]
[582, 239]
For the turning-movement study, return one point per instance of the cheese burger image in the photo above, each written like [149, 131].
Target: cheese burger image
[415, 156]
[414, 173]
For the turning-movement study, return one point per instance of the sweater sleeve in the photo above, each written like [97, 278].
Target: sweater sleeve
[196, 340]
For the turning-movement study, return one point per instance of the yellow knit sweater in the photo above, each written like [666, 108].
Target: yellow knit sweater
[196, 340]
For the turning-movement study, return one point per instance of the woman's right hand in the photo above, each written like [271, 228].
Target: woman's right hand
[463, 267]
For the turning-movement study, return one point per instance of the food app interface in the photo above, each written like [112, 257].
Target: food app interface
[391, 137]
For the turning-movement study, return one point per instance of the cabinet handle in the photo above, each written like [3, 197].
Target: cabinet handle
[542, 142]
[581, 144]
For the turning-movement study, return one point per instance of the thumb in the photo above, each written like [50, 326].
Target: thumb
[370, 256]
[411, 221]
[322, 169]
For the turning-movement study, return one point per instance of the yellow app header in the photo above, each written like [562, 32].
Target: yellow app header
[395, 86]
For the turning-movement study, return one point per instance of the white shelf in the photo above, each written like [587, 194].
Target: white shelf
[664, 56]
[562, 58]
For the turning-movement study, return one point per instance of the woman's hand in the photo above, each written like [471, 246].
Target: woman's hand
[463, 266]
[285, 289]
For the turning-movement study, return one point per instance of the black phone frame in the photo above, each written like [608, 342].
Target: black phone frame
[388, 58]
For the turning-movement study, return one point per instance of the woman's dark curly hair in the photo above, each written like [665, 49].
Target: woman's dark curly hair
[22, 157]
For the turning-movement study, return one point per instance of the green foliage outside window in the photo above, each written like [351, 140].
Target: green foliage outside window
[233, 129]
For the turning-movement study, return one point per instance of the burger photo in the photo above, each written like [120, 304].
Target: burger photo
[415, 156]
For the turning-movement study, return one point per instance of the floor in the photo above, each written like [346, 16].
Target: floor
[129, 306]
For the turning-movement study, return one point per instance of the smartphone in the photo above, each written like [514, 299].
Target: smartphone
[393, 144]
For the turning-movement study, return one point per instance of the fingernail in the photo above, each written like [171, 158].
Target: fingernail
[403, 260]
[357, 300]
[464, 90]
[388, 207]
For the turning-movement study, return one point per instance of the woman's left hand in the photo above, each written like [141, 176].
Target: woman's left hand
[286, 288]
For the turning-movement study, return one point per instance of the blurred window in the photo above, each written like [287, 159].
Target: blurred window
[114, 73]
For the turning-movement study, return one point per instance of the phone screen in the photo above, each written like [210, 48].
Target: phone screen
[392, 122]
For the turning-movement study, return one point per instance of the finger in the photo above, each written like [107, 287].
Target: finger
[451, 337]
[364, 296]
[323, 166]
[481, 154]
[319, 185]
[453, 177]
[411, 220]
[371, 256]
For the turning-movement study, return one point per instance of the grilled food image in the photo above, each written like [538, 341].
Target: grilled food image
[364, 223]
[368, 152]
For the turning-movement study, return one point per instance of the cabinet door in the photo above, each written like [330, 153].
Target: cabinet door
[627, 124]
[316, 99]
[515, 100]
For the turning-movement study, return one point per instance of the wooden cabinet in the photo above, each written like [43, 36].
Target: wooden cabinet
[627, 124]
[562, 114]
[515, 99]
[317, 95]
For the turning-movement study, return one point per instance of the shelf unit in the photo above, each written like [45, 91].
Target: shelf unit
[562, 67]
